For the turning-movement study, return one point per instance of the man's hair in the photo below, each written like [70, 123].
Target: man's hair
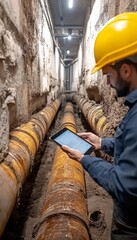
[118, 64]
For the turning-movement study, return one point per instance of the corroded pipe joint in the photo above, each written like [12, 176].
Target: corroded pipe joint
[94, 115]
[23, 145]
[64, 211]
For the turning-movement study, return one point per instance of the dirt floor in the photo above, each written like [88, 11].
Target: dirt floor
[26, 213]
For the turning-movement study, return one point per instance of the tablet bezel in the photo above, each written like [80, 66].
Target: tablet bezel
[59, 133]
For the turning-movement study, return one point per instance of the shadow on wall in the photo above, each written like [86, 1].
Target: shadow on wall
[93, 93]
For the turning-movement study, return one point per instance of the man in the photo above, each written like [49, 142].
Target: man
[115, 53]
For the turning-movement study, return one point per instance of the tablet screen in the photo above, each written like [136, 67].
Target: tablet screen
[72, 140]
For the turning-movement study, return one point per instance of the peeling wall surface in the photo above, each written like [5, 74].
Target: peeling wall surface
[27, 66]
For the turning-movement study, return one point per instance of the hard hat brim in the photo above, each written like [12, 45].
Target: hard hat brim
[94, 69]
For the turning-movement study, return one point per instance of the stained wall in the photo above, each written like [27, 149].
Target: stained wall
[29, 63]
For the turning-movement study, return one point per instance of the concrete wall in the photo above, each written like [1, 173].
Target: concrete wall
[28, 71]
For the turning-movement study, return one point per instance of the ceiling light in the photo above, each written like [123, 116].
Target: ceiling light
[69, 37]
[70, 3]
[68, 51]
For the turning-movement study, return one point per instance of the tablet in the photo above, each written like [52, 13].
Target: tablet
[66, 137]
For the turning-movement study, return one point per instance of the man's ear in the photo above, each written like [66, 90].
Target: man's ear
[126, 70]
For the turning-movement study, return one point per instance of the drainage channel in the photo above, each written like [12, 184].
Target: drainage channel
[26, 213]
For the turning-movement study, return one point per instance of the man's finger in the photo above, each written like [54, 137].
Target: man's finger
[64, 147]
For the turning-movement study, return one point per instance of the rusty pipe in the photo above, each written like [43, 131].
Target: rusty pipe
[64, 211]
[23, 145]
[93, 113]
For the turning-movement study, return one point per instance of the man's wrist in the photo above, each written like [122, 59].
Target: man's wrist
[80, 157]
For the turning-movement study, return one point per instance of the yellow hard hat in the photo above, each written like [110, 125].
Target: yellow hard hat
[116, 40]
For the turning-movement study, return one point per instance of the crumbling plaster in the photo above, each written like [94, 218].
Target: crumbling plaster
[26, 64]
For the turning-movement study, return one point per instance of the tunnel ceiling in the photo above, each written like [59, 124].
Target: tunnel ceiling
[69, 22]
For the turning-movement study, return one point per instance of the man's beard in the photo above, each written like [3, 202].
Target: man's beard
[122, 87]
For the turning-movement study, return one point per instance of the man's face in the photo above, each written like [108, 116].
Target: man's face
[115, 80]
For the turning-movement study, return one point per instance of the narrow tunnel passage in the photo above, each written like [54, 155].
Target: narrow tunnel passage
[26, 214]
[47, 50]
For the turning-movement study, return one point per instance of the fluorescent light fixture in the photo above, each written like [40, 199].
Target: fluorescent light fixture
[69, 37]
[68, 51]
[70, 4]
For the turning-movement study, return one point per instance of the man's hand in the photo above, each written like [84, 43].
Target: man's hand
[92, 138]
[75, 154]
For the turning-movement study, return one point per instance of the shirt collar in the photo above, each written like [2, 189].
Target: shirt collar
[131, 98]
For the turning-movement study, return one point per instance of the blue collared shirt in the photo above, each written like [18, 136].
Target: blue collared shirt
[119, 179]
